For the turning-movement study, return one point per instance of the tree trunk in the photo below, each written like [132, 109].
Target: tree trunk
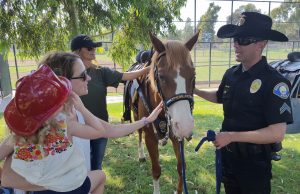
[5, 81]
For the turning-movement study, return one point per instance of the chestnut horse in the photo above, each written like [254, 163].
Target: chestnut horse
[172, 80]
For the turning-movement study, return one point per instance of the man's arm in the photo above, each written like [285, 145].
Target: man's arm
[207, 94]
[271, 134]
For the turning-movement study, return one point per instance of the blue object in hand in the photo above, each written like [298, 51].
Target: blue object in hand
[211, 136]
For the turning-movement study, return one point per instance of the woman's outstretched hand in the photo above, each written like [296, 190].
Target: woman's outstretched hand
[154, 114]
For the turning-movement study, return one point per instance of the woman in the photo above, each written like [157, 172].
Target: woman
[101, 78]
[71, 66]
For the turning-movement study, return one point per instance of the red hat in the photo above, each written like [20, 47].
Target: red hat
[38, 96]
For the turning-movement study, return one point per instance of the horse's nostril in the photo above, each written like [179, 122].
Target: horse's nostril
[176, 124]
[189, 137]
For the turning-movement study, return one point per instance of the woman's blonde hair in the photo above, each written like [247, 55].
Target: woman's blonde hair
[40, 136]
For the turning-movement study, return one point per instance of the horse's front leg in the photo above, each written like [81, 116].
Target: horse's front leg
[142, 156]
[179, 164]
[152, 147]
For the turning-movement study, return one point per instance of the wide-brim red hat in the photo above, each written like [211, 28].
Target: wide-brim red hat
[252, 24]
[38, 96]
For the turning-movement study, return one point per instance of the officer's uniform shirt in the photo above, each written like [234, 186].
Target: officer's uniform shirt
[255, 98]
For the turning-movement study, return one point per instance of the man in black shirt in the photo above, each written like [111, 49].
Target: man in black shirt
[256, 106]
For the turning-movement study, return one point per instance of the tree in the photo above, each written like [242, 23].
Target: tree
[207, 22]
[287, 18]
[37, 27]
[188, 29]
[234, 18]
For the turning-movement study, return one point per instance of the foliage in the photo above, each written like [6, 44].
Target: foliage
[37, 27]
[207, 22]
[234, 18]
[287, 16]
[188, 29]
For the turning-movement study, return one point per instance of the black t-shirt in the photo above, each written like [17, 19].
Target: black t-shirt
[255, 98]
[95, 100]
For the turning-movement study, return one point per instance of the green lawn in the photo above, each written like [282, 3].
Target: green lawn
[127, 175]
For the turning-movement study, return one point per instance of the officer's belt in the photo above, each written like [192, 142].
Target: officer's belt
[246, 150]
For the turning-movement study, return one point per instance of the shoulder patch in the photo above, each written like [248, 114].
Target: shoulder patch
[281, 90]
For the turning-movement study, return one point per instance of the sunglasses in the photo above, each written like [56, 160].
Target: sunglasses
[83, 76]
[246, 41]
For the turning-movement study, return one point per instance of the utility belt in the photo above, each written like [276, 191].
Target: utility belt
[249, 150]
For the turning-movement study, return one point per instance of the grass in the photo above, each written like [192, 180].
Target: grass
[127, 175]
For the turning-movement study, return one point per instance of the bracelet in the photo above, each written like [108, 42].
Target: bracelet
[145, 121]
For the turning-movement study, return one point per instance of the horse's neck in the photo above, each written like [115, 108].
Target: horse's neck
[151, 93]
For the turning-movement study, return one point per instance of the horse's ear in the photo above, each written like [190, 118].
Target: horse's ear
[157, 44]
[191, 42]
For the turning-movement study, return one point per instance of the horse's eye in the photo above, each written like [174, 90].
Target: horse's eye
[162, 79]
[193, 81]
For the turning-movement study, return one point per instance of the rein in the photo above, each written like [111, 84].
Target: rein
[211, 136]
[167, 104]
[183, 166]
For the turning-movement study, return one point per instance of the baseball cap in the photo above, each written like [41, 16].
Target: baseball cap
[83, 40]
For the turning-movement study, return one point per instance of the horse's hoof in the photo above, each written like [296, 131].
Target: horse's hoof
[142, 159]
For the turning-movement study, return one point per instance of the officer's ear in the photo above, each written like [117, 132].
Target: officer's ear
[261, 44]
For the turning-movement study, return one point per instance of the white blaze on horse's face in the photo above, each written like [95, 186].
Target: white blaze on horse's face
[182, 120]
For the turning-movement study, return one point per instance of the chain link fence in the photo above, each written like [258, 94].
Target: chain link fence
[211, 58]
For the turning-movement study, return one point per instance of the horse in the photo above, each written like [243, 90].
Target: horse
[172, 80]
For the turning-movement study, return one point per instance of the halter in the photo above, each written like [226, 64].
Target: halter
[167, 104]
[173, 99]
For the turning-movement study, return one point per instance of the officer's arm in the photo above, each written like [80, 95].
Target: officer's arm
[271, 134]
[207, 94]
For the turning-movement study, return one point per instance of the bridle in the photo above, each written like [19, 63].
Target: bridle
[177, 97]
[167, 104]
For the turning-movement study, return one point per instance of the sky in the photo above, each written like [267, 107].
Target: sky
[202, 6]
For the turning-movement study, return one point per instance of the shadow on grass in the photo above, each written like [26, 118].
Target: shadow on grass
[286, 172]
[127, 175]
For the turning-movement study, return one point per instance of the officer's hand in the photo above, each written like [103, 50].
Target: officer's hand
[222, 139]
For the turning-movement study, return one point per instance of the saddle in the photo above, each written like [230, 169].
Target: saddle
[290, 69]
[132, 92]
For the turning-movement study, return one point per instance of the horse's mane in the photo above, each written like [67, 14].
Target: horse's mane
[176, 53]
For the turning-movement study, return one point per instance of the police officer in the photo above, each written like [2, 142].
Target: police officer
[256, 106]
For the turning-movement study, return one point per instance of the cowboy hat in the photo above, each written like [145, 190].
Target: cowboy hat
[252, 24]
[38, 96]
